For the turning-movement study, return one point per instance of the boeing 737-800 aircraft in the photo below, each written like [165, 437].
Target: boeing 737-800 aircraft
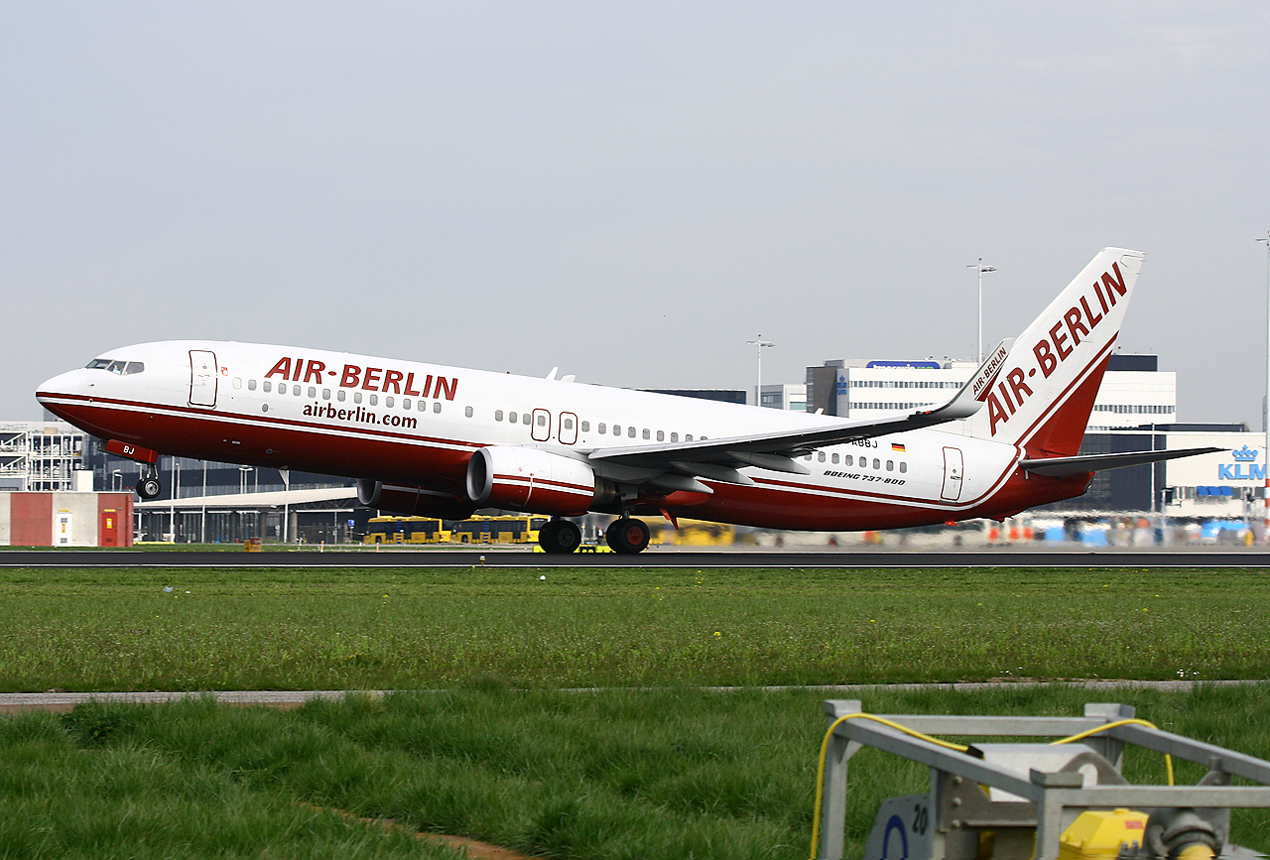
[438, 441]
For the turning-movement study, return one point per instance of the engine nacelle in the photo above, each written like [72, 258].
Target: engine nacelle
[529, 479]
[413, 501]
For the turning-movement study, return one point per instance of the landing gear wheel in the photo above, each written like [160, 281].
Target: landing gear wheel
[559, 537]
[149, 488]
[627, 535]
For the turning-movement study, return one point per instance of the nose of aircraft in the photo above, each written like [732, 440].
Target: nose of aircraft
[71, 382]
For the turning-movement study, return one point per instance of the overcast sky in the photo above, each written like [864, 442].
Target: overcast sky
[631, 191]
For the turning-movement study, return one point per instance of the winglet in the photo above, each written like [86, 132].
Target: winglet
[969, 399]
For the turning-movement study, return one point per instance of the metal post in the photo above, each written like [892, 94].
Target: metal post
[981, 268]
[1265, 500]
[202, 529]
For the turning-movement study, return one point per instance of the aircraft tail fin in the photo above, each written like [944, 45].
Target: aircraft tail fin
[1040, 392]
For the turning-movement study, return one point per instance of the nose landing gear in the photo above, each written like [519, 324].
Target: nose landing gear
[149, 487]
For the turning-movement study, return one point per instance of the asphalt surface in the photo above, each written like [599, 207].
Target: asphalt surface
[658, 557]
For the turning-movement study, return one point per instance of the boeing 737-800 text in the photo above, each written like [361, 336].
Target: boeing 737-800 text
[444, 442]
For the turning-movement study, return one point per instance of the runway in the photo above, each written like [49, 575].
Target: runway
[660, 557]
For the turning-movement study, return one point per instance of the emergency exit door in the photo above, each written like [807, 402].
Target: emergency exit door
[202, 378]
[953, 469]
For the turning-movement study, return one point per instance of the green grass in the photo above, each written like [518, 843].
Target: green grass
[425, 628]
[619, 774]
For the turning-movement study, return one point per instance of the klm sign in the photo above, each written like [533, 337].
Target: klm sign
[1244, 468]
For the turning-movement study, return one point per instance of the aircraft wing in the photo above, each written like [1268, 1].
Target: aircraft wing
[1061, 467]
[720, 458]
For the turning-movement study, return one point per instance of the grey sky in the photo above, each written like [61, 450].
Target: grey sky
[631, 191]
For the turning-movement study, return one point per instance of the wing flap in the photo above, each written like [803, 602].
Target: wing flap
[777, 449]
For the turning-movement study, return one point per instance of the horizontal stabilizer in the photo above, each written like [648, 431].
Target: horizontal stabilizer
[1062, 467]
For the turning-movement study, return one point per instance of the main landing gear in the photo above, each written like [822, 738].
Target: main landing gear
[559, 537]
[627, 535]
[149, 487]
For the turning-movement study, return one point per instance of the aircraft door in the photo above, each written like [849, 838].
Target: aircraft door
[540, 428]
[568, 432]
[202, 378]
[953, 470]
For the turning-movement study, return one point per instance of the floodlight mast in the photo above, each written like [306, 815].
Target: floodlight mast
[758, 385]
[981, 268]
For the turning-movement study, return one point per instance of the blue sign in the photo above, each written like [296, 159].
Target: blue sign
[1244, 468]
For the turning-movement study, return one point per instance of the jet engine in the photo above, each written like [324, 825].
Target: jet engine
[528, 479]
[413, 501]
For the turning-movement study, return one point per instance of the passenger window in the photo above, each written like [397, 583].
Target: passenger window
[511, 416]
[312, 392]
[820, 455]
[617, 429]
[877, 464]
[890, 465]
[266, 385]
[340, 395]
[687, 437]
[238, 383]
[542, 420]
[903, 466]
[601, 428]
[251, 385]
[282, 387]
[436, 407]
[661, 435]
[498, 415]
[630, 432]
[387, 401]
[524, 418]
[467, 411]
[674, 437]
[586, 426]
[646, 434]
[808, 457]
[357, 397]
[326, 394]
[374, 400]
[405, 403]
[833, 458]
[848, 460]
[568, 423]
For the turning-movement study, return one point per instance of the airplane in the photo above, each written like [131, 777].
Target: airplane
[438, 441]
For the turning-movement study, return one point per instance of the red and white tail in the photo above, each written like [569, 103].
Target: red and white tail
[1041, 390]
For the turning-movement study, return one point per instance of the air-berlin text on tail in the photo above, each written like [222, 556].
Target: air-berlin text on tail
[367, 378]
[1059, 342]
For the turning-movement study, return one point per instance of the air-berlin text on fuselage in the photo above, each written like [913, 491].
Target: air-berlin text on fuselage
[382, 379]
[1061, 340]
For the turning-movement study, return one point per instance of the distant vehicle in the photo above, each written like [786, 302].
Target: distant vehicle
[443, 442]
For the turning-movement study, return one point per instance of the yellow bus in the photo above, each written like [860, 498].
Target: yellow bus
[402, 530]
[506, 529]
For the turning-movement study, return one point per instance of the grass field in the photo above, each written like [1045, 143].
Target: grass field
[419, 628]
[622, 774]
[504, 755]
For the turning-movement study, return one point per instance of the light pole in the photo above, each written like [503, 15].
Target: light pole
[116, 479]
[758, 349]
[980, 268]
[1265, 498]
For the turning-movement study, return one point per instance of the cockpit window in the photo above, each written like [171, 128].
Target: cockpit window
[114, 365]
